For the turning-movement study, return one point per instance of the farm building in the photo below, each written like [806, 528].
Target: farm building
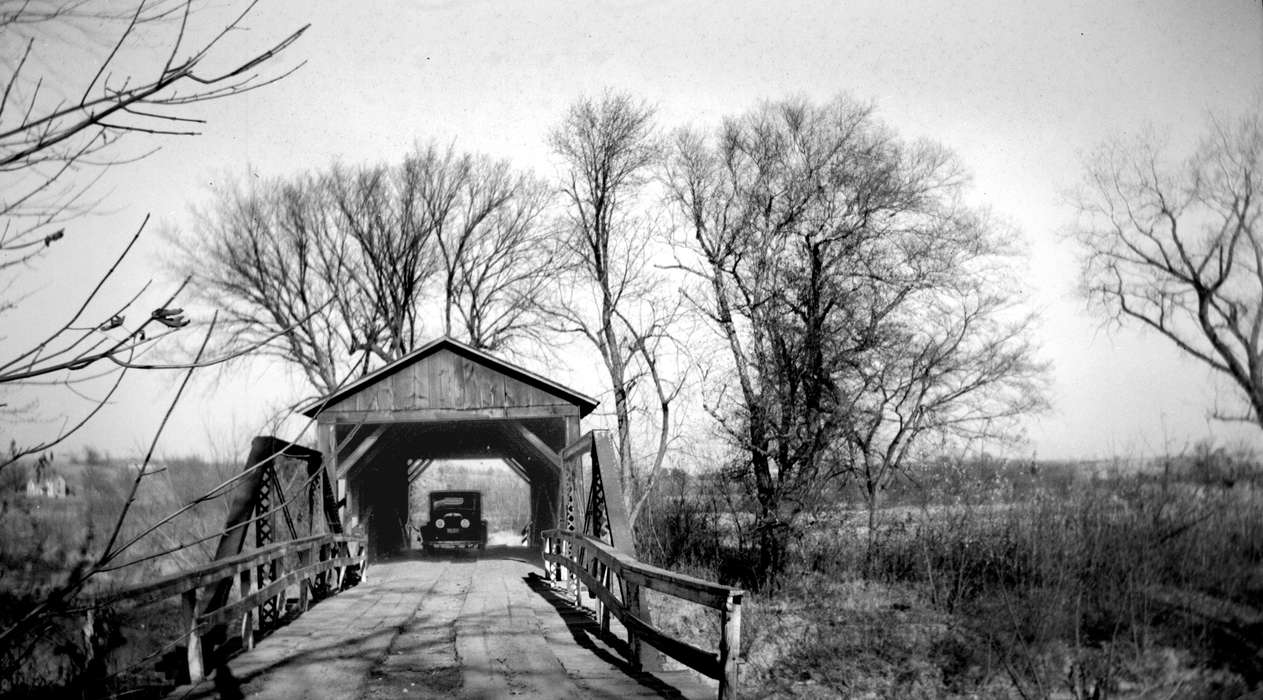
[47, 487]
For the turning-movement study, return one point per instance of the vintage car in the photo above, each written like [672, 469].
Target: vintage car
[455, 521]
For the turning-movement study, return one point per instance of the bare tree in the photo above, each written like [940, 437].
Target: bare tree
[50, 129]
[81, 80]
[267, 257]
[342, 268]
[1177, 248]
[854, 294]
[381, 212]
[495, 251]
[61, 121]
[504, 271]
[614, 297]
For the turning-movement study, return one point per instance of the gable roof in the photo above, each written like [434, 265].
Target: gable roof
[585, 403]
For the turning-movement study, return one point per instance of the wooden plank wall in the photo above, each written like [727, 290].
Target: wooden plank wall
[448, 381]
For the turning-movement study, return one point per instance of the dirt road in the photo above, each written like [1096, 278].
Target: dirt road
[458, 626]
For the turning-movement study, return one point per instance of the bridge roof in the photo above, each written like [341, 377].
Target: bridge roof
[371, 382]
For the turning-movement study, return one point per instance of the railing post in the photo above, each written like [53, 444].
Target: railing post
[304, 561]
[89, 632]
[729, 645]
[193, 639]
[563, 549]
[577, 584]
[631, 599]
[318, 580]
[281, 595]
[594, 568]
[363, 557]
[247, 617]
[605, 580]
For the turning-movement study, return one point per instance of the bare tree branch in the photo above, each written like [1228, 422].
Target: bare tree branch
[1176, 247]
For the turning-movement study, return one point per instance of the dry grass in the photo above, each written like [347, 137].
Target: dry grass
[1131, 586]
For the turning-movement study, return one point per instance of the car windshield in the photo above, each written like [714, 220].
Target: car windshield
[453, 502]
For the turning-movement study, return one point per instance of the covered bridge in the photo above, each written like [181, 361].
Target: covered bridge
[444, 400]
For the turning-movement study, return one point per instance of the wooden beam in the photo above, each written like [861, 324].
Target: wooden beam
[578, 448]
[326, 439]
[549, 455]
[605, 460]
[441, 415]
[416, 470]
[517, 468]
[346, 465]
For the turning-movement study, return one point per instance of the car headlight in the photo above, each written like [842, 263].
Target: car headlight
[439, 523]
[464, 522]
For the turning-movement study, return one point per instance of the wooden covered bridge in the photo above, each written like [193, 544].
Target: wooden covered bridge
[445, 400]
[330, 599]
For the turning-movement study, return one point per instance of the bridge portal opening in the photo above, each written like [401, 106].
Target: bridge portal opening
[444, 402]
[506, 503]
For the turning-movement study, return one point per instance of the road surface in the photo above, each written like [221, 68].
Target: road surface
[459, 626]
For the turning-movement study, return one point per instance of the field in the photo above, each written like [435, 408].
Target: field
[44, 540]
[981, 580]
[1129, 585]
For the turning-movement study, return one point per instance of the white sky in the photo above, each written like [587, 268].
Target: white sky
[1018, 89]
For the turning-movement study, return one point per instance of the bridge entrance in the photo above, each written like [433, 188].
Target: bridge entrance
[444, 401]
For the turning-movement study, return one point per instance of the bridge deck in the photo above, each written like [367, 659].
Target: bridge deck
[462, 626]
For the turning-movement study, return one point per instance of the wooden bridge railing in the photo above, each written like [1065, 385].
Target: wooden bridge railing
[615, 579]
[319, 563]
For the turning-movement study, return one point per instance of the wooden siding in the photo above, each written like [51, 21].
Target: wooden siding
[445, 381]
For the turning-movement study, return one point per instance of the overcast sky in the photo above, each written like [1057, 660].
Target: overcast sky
[1019, 90]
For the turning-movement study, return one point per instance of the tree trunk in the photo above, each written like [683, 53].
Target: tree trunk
[873, 501]
[771, 560]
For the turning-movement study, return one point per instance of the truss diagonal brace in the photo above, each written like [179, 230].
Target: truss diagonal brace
[548, 454]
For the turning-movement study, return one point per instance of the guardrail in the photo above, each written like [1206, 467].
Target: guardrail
[306, 561]
[598, 567]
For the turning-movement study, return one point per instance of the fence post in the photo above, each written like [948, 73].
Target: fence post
[194, 640]
[729, 645]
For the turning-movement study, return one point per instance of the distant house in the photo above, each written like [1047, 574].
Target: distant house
[49, 487]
